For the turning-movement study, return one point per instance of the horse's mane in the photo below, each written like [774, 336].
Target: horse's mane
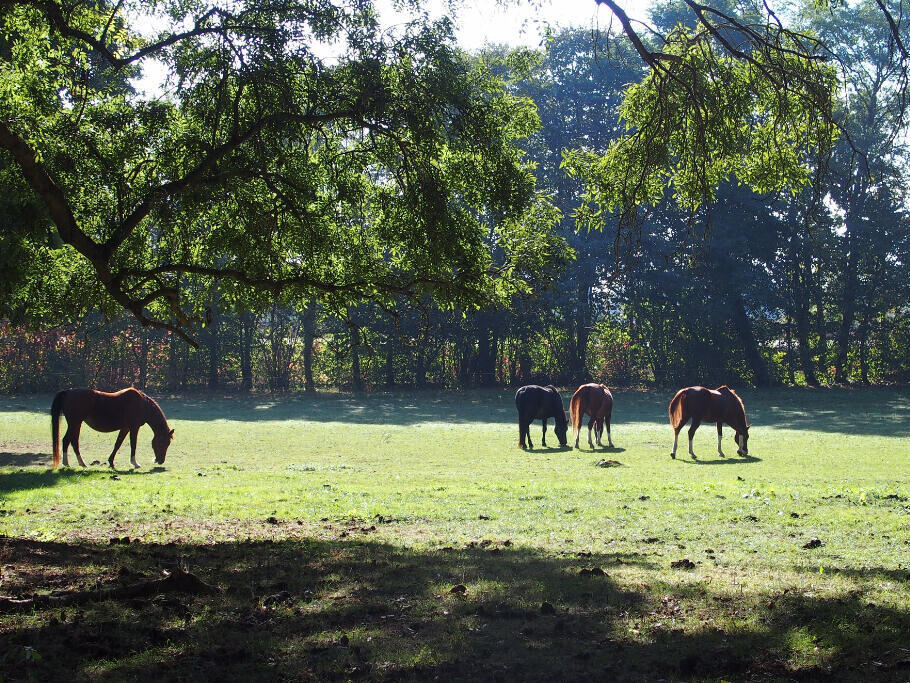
[156, 407]
[726, 389]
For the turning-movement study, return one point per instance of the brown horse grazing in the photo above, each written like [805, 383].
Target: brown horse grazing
[125, 410]
[594, 400]
[709, 405]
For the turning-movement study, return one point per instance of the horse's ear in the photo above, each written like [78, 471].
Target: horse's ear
[172, 434]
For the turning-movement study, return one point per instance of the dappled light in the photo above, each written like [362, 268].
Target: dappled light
[352, 608]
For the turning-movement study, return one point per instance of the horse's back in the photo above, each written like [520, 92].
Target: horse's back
[535, 401]
[703, 404]
[596, 399]
[105, 411]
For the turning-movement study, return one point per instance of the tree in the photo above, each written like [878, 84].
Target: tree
[375, 174]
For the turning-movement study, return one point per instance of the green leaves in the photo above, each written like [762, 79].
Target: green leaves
[704, 115]
[390, 169]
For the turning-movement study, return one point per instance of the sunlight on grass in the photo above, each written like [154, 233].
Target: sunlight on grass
[768, 549]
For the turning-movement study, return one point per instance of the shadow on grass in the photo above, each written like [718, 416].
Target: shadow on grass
[601, 449]
[24, 459]
[731, 460]
[24, 480]
[345, 609]
[881, 411]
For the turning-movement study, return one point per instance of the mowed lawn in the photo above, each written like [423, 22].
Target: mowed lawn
[405, 535]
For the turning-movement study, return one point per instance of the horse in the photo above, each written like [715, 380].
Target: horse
[720, 405]
[594, 400]
[536, 402]
[126, 410]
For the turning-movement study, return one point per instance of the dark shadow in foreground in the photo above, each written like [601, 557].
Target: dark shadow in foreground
[24, 480]
[306, 609]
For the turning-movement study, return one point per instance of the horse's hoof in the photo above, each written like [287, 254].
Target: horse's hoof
[673, 455]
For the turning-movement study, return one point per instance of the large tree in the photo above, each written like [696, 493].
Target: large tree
[297, 146]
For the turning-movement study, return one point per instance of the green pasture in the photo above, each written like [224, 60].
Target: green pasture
[336, 527]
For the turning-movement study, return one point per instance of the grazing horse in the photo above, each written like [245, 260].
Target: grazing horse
[535, 402]
[125, 410]
[709, 405]
[594, 400]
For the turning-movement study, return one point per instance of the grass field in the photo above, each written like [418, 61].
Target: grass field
[405, 536]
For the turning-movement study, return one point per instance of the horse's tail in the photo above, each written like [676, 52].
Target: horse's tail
[56, 408]
[677, 410]
[575, 410]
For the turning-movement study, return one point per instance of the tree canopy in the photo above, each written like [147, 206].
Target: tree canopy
[299, 146]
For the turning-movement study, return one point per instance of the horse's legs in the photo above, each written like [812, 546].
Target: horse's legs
[695, 423]
[590, 425]
[609, 437]
[524, 433]
[66, 445]
[134, 432]
[676, 431]
[120, 437]
[543, 439]
[72, 437]
[720, 431]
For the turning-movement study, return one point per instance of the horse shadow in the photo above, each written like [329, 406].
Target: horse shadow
[25, 479]
[548, 449]
[603, 449]
[24, 459]
[741, 460]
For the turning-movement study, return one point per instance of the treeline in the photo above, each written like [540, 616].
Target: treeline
[755, 289]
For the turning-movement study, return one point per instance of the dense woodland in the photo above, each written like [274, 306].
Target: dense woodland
[793, 285]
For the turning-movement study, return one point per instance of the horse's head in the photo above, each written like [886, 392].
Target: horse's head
[160, 442]
[561, 428]
[742, 440]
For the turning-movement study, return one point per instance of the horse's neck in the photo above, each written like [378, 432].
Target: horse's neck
[155, 418]
[736, 417]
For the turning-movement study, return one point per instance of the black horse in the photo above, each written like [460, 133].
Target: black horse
[535, 402]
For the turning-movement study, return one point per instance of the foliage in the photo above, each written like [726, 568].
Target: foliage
[384, 171]
[703, 120]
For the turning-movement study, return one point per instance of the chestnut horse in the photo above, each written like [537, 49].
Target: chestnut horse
[720, 405]
[535, 402]
[594, 400]
[126, 410]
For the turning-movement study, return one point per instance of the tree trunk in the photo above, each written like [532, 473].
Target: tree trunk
[143, 357]
[848, 313]
[485, 367]
[582, 332]
[788, 331]
[214, 348]
[754, 359]
[420, 371]
[389, 366]
[309, 338]
[863, 334]
[247, 325]
[355, 358]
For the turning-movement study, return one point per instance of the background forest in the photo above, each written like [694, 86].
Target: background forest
[802, 287]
